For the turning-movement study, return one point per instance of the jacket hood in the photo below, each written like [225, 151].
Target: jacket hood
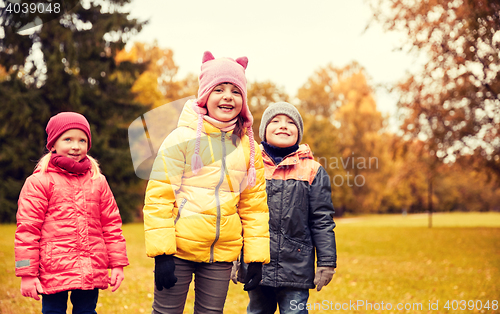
[189, 118]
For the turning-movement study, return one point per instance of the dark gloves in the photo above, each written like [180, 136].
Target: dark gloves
[253, 277]
[164, 272]
[324, 275]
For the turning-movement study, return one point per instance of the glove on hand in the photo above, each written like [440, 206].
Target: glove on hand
[323, 276]
[164, 272]
[234, 271]
[253, 277]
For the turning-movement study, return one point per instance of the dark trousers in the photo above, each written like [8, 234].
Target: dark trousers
[84, 302]
[211, 281]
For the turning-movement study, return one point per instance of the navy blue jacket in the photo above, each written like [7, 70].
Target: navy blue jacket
[301, 220]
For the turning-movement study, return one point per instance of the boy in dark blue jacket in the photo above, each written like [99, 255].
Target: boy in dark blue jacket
[301, 217]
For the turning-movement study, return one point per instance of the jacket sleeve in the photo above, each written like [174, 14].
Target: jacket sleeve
[32, 206]
[254, 215]
[111, 223]
[321, 219]
[165, 179]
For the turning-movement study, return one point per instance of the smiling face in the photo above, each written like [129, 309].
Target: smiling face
[281, 131]
[73, 144]
[225, 102]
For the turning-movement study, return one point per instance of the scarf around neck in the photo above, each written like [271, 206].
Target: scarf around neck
[223, 126]
[278, 153]
[70, 165]
[197, 164]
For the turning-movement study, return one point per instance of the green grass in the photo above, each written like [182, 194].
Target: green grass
[438, 220]
[390, 259]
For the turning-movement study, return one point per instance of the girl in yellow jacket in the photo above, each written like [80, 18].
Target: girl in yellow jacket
[206, 197]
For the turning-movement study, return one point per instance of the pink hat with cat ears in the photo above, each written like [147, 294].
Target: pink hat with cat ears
[215, 72]
[223, 70]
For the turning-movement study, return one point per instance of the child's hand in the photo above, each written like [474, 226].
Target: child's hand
[234, 271]
[164, 272]
[323, 276]
[31, 287]
[253, 276]
[116, 278]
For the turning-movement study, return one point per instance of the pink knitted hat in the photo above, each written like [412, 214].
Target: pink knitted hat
[63, 122]
[223, 70]
[215, 72]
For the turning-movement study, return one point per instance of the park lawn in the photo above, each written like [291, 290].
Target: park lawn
[381, 259]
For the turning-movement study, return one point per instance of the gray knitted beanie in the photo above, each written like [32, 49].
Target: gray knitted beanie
[281, 108]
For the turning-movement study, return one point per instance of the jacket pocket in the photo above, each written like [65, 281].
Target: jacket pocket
[183, 202]
[46, 257]
[296, 261]
[100, 256]
[296, 252]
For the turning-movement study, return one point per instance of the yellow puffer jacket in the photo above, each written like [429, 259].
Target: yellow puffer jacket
[208, 216]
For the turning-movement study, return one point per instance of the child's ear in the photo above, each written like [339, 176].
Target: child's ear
[243, 61]
[207, 56]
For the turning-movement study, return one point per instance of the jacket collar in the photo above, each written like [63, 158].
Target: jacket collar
[304, 152]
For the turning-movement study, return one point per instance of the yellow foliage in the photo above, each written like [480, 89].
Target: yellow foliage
[157, 85]
[259, 96]
[146, 89]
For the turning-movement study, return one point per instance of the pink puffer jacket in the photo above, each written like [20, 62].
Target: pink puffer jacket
[68, 231]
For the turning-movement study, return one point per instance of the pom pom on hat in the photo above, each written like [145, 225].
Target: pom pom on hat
[63, 122]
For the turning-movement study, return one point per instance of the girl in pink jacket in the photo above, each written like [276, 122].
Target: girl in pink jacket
[68, 224]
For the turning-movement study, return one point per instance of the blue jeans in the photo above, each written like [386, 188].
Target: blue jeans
[264, 300]
[84, 302]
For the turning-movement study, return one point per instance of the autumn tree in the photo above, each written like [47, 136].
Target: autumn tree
[259, 96]
[343, 97]
[412, 167]
[348, 136]
[454, 99]
[158, 84]
[468, 185]
[77, 71]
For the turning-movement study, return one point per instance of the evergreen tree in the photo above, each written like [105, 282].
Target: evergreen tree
[78, 73]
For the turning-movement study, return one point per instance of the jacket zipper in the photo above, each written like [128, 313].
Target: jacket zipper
[217, 199]
[279, 232]
[180, 209]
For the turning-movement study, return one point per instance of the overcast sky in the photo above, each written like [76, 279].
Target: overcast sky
[285, 41]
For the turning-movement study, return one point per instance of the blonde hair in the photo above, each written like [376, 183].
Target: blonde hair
[43, 164]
